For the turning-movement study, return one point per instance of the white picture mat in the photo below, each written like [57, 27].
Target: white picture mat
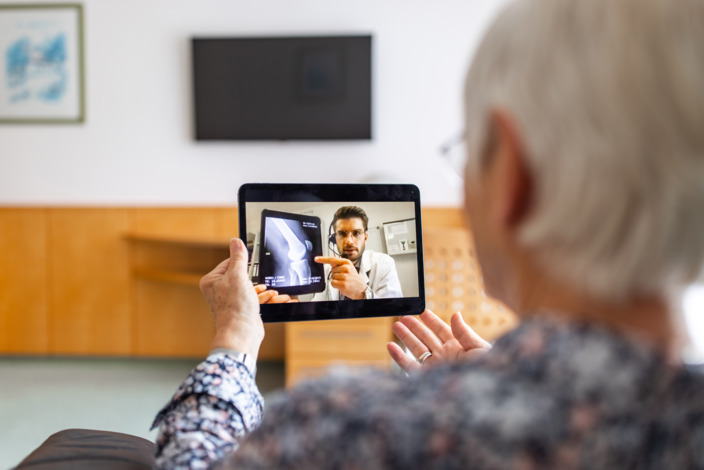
[38, 25]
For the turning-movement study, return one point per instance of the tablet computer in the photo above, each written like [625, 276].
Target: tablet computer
[340, 250]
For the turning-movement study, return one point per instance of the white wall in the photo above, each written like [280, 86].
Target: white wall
[136, 147]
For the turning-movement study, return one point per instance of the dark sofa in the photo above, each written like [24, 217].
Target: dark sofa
[78, 449]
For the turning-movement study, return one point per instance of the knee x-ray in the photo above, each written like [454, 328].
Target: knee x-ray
[289, 243]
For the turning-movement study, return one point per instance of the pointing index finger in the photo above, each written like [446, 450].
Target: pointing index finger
[331, 260]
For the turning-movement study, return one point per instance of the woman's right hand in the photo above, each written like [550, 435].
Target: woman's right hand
[457, 341]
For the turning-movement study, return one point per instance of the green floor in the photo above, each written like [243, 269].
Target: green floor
[41, 396]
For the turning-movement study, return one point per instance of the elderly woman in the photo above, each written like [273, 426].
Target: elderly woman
[585, 191]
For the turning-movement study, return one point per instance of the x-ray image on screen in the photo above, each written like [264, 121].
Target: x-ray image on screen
[289, 244]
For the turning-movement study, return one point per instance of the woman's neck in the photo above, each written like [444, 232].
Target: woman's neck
[646, 317]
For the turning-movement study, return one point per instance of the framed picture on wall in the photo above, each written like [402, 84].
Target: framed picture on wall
[41, 63]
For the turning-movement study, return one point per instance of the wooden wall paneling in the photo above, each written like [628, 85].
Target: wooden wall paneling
[176, 239]
[72, 304]
[312, 346]
[226, 223]
[24, 306]
[90, 281]
[339, 339]
[274, 344]
[453, 275]
[171, 316]
[453, 282]
[440, 217]
[176, 222]
[172, 319]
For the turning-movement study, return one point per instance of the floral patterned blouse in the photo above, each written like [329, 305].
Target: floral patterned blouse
[550, 394]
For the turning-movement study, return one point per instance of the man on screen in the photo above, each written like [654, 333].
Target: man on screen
[356, 273]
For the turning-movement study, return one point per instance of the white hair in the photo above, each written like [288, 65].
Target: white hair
[608, 97]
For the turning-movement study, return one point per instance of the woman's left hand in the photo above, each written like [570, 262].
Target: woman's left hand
[457, 341]
[228, 291]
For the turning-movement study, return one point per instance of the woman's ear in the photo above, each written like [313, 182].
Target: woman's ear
[511, 179]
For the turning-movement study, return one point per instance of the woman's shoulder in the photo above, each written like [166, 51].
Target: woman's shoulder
[586, 360]
[546, 392]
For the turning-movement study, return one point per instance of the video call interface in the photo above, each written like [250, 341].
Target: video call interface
[284, 239]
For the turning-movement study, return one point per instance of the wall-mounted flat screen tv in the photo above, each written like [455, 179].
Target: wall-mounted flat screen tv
[283, 88]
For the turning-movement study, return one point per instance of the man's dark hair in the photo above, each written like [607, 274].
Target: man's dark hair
[351, 212]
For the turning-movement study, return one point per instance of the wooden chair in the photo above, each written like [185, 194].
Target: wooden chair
[453, 282]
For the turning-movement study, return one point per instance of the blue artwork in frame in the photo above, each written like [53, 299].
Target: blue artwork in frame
[41, 63]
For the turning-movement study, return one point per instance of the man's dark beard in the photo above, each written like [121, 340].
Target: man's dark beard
[355, 261]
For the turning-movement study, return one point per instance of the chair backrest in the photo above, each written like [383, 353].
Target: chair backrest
[453, 282]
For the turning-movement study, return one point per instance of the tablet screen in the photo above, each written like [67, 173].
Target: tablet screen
[341, 251]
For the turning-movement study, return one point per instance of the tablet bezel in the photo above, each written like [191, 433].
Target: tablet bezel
[327, 310]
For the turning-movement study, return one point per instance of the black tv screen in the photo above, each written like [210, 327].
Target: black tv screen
[283, 88]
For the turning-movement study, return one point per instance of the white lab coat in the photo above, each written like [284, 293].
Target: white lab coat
[378, 270]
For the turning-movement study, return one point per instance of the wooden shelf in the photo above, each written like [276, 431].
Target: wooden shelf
[177, 259]
[204, 242]
[163, 275]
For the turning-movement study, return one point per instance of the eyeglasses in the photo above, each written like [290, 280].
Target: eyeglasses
[341, 234]
[454, 152]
